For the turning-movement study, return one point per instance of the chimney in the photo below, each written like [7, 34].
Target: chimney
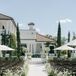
[31, 26]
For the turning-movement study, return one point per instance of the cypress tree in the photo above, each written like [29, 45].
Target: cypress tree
[18, 41]
[74, 36]
[59, 35]
[3, 40]
[68, 36]
[69, 52]
[59, 38]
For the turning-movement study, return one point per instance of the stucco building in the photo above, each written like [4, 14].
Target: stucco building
[8, 23]
[34, 41]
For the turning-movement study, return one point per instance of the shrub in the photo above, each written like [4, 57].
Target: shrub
[52, 73]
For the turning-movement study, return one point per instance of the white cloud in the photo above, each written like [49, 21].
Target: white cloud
[66, 20]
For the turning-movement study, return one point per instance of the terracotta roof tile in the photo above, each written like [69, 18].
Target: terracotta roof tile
[42, 38]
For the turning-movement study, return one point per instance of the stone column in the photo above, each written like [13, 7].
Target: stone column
[43, 47]
[34, 47]
[42, 53]
[28, 47]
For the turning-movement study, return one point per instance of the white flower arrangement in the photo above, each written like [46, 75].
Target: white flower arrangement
[9, 73]
[46, 49]
[22, 72]
[54, 72]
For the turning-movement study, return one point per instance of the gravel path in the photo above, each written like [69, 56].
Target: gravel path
[36, 68]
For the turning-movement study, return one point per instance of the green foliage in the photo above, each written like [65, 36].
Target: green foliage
[8, 39]
[12, 41]
[59, 38]
[69, 53]
[23, 74]
[16, 72]
[3, 40]
[74, 36]
[63, 40]
[52, 73]
[58, 53]
[47, 44]
[59, 35]
[18, 41]
[68, 36]
[63, 52]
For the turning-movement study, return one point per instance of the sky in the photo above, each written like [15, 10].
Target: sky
[44, 13]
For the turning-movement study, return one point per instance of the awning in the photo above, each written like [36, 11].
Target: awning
[5, 48]
[64, 47]
[72, 43]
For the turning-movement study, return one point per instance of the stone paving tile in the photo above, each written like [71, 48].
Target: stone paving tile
[36, 69]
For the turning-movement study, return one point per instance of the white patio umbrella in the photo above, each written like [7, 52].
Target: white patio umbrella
[5, 48]
[64, 47]
[72, 43]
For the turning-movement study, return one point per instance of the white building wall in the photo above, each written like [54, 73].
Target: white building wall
[30, 45]
[39, 47]
[43, 47]
[27, 41]
[27, 34]
[9, 26]
[28, 37]
[33, 46]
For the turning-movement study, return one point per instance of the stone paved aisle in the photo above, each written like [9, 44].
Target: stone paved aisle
[36, 68]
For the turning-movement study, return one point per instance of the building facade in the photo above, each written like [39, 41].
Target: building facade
[30, 38]
[34, 41]
[8, 23]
